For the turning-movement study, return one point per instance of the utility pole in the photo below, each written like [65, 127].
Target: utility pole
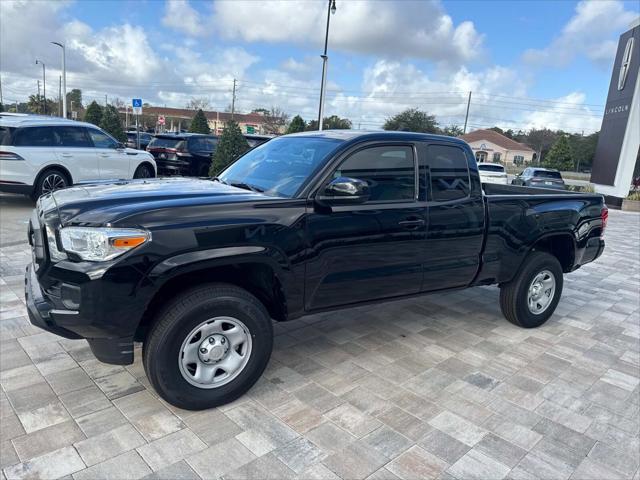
[233, 100]
[331, 9]
[105, 99]
[39, 100]
[60, 96]
[64, 78]
[466, 118]
[1, 103]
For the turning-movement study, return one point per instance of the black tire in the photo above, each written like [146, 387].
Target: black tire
[51, 177]
[162, 348]
[514, 295]
[144, 171]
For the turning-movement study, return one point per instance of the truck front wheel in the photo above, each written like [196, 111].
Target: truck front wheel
[208, 346]
[533, 295]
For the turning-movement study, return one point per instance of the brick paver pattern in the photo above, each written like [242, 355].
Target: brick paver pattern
[440, 386]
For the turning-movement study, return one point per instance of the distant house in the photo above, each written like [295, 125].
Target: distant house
[490, 146]
[177, 118]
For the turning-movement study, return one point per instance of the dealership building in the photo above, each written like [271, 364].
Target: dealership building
[491, 146]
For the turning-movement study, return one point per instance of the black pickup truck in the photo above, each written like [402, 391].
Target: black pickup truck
[196, 269]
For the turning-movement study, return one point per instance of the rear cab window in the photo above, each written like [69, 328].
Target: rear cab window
[448, 172]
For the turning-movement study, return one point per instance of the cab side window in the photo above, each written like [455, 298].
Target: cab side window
[35, 137]
[449, 173]
[389, 171]
[72, 137]
[101, 139]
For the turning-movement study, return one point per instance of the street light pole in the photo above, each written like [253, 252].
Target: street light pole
[64, 79]
[44, 86]
[331, 9]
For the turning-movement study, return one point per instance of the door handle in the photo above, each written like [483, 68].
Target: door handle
[418, 222]
[67, 155]
[104, 154]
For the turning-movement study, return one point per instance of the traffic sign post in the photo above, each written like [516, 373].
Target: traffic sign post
[136, 103]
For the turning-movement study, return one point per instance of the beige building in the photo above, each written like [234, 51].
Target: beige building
[490, 146]
[178, 118]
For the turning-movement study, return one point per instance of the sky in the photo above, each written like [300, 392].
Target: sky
[528, 64]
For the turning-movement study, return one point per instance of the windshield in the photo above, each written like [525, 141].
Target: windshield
[547, 174]
[490, 168]
[280, 166]
[164, 142]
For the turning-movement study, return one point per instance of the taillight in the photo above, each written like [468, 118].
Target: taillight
[604, 214]
[10, 156]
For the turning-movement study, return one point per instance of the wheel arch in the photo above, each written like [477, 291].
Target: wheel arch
[561, 245]
[53, 166]
[258, 277]
[147, 163]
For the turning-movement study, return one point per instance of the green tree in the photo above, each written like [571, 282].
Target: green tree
[74, 96]
[297, 125]
[231, 145]
[93, 114]
[584, 149]
[560, 156]
[452, 131]
[333, 122]
[199, 123]
[412, 120]
[112, 124]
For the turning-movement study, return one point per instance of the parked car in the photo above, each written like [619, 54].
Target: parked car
[132, 140]
[41, 154]
[254, 139]
[492, 173]
[187, 154]
[196, 269]
[540, 177]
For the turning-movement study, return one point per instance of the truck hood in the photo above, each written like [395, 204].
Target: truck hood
[107, 202]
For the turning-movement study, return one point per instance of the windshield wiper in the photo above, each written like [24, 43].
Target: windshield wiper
[218, 179]
[247, 186]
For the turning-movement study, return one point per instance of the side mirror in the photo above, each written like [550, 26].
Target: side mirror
[344, 191]
[120, 146]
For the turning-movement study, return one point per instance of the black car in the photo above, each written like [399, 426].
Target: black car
[186, 154]
[254, 139]
[132, 139]
[540, 177]
[196, 269]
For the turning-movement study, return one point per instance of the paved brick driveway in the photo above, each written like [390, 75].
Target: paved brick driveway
[440, 386]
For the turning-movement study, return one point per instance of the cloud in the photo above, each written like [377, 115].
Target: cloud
[415, 29]
[569, 113]
[180, 16]
[590, 33]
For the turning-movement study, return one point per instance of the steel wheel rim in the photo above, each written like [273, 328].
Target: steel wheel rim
[215, 352]
[541, 292]
[53, 182]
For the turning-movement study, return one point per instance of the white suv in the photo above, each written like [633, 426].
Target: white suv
[492, 173]
[40, 154]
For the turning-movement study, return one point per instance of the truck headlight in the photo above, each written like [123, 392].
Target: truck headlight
[101, 244]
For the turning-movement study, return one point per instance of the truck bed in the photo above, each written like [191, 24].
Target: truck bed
[493, 189]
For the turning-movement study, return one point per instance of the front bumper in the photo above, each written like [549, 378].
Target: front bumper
[72, 323]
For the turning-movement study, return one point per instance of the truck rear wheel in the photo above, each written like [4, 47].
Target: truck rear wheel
[208, 346]
[533, 295]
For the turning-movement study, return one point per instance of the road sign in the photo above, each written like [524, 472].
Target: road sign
[251, 129]
[137, 106]
[161, 120]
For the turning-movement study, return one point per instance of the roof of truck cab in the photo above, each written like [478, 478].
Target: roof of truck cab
[351, 135]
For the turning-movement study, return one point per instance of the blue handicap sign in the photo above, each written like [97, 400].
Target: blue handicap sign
[137, 102]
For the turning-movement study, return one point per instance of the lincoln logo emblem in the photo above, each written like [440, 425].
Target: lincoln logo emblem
[626, 61]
